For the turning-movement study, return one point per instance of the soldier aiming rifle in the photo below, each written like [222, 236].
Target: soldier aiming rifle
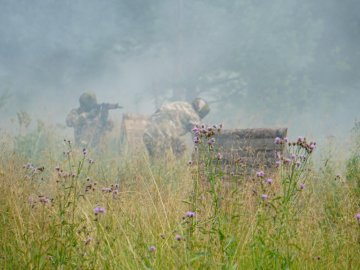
[90, 121]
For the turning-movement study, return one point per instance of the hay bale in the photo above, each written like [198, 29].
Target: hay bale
[248, 150]
[132, 130]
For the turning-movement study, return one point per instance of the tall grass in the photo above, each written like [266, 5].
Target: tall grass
[79, 209]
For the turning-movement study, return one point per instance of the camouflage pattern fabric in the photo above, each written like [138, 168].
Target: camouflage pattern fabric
[166, 125]
[90, 126]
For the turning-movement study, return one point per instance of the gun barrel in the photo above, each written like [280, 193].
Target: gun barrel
[110, 106]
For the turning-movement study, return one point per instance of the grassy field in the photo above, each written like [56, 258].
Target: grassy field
[66, 208]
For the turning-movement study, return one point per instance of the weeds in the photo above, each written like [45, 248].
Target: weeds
[80, 210]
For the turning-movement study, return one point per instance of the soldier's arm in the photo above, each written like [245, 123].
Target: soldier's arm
[190, 120]
[72, 118]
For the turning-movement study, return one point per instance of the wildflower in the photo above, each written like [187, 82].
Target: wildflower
[260, 174]
[211, 141]
[269, 181]
[287, 161]
[99, 210]
[44, 199]
[85, 151]
[293, 156]
[91, 161]
[298, 163]
[31, 201]
[190, 162]
[115, 193]
[152, 248]
[286, 139]
[277, 140]
[196, 140]
[195, 129]
[302, 186]
[358, 217]
[177, 237]
[264, 197]
[277, 163]
[301, 139]
[190, 214]
[312, 145]
[219, 156]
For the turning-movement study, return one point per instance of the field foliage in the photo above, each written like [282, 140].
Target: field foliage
[64, 207]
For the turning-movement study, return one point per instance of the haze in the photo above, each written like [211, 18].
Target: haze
[292, 63]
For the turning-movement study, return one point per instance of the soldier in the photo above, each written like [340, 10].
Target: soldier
[170, 122]
[90, 120]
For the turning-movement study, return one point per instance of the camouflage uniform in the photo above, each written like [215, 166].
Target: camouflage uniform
[90, 121]
[167, 124]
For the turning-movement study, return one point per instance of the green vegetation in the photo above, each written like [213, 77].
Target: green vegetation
[78, 209]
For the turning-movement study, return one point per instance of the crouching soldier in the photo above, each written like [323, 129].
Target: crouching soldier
[169, 123]
[90, 121]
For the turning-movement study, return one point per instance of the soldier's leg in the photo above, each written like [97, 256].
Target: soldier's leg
[149, 144]
[178, 147]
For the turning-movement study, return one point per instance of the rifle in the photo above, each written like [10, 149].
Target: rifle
[108, 106]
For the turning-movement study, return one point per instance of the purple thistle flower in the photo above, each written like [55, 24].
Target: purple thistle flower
[277, 140]
[302, 186]
[211, 141]
[219, 156]
[260, 174]
[264, 197]
[298, 163]
[152, 248]
[277, 163]
[190, 214]
[44, 199]
[287, 161]
[85, 151]
[301, 139]
[269, 181]
[195, 129]
[196, 139]
[99, 210]
[177, 237]
[312, 145]
[358, 217]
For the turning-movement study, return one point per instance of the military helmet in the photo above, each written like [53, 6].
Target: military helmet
[201, 107]
[87, 101]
